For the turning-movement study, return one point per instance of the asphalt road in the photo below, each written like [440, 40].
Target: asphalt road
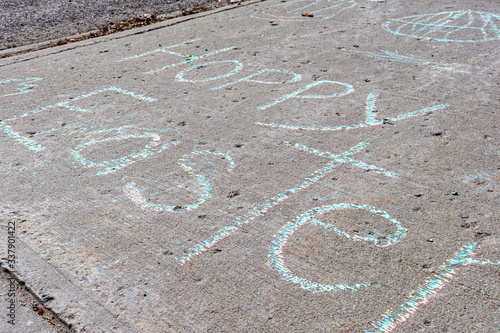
[25, 22]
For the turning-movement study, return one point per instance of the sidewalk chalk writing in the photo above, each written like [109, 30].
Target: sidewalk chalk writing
[392, 318]
[344, 159]
[18, 137]
[188, 58]
[113, 165]
[336, 160]
[457, 26]
[202, 181]
[318, 10]
[370, 119]
[25, 86]
[276, 256]
[297, 94]
[32, 144]
[161, 49]
[410, 59]
[237, 67]
[232, 67]
[295, 78]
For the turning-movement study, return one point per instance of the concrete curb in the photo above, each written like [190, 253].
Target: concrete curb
[74, 307]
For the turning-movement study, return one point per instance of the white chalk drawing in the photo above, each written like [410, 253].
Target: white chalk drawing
[347, 89]
[201, 180]
[152, 148]
[251, 78]
[305, 10]
[457, 26]
[429, 289]
[336, 160]
[276, 255]
[237, 67]
[188, 58]
[410, 59]
[30, 142]
[24, 86]
[370, 119]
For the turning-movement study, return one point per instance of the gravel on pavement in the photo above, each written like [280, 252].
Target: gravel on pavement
[26, 22]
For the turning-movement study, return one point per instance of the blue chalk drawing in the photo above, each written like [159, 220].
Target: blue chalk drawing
[113, 165]
[295, 78]
[457, 26]
[201, 180]
[344, 159]
[296, 94]
[187, 57]
[318, 10]
[161, 49]
[65, 104]
[391, 318]
[31, 143]
[370, 119]
[180, 76]
[25, 85]
[276, 256]
[336, 160]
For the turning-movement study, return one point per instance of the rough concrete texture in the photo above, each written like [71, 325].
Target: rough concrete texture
[30, 314]
[254, 169]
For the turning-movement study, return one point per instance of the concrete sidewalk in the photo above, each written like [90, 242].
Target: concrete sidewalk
[278, 166]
